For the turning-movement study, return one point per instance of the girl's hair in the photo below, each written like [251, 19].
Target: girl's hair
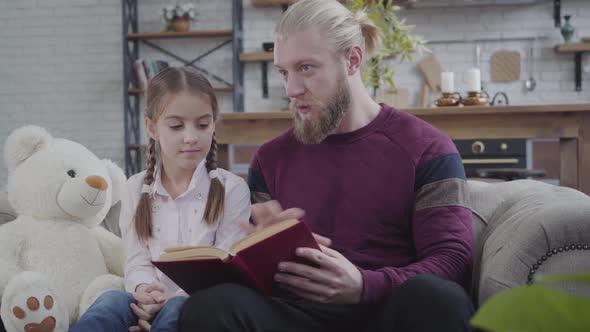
[336, 23]
[164, 86]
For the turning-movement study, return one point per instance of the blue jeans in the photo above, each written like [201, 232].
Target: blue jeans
[111, 313]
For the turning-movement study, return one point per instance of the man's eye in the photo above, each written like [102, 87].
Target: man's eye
[204, 125]
[305, 68]
[176, 127]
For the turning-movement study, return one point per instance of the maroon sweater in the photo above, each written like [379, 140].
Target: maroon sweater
[391, 196]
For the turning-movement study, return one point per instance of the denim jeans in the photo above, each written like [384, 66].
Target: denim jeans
[111, 313]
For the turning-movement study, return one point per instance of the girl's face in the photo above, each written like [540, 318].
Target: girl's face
[184, 130]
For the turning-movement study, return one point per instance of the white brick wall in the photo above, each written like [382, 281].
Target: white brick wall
[61, 60]
[554, 73]
[60, 68]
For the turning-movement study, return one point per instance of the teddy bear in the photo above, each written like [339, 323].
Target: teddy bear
[55, 259]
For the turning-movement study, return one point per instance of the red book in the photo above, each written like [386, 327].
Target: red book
[252, 261]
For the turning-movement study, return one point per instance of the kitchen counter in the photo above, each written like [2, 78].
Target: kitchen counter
[568, 122]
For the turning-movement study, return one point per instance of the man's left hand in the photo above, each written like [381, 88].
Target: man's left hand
[335, 280]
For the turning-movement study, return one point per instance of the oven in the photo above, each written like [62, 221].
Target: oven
[492, 153]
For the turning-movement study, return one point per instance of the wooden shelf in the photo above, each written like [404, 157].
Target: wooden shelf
[573, 47]
[577, 49]
[136, 91]
[257, 57]
[175, 35]
[137, 146]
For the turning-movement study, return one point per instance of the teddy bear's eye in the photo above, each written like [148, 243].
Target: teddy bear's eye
[72, 173]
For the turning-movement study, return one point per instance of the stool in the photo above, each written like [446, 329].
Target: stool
[509, 174]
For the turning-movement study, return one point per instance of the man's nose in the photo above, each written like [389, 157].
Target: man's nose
[294, 86]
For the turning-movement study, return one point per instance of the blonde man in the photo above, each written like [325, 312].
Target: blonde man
[385, 190]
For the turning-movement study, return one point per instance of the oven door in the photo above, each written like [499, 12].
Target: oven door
[492, 153]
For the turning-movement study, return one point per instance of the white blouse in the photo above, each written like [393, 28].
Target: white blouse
[179, 222]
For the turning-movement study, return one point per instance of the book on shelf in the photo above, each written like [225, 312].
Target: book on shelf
[144, 70]
[252, 261]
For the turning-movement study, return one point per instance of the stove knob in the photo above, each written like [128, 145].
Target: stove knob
[504, 147]
[478, 147]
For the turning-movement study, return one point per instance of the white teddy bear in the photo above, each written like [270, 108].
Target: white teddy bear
[55, 260]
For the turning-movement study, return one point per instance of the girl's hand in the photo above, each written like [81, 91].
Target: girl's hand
[152, 293]
[145, 313]
[151, 299]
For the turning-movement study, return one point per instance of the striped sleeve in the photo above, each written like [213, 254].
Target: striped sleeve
[258, 187]
[441, 228]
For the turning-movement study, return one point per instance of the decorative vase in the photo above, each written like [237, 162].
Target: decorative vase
[448, 99]
[567, 30]
[180, 24]
[475, 98]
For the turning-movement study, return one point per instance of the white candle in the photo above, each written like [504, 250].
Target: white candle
[447, 82]
[473, 78]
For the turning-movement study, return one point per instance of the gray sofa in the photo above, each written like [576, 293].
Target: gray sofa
[521, 228]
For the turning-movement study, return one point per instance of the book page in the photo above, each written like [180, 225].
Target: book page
[184, 253]
[261, 235]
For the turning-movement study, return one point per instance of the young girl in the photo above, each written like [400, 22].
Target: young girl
[182, 199]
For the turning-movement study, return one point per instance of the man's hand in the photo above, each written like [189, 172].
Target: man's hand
[336, 280]
[150, 299]
[271, 212]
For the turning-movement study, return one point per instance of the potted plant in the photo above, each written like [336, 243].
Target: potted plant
[178, 17]
[398, 42]
[537, 308]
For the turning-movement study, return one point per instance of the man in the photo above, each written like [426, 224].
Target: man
[384, 191]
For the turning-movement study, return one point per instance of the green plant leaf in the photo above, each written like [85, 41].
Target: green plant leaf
[533, 309]
[398, 40]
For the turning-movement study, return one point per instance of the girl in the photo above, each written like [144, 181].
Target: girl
[182, 199]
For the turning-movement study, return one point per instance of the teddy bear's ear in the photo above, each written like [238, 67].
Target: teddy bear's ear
[118, 179]
[23, 143]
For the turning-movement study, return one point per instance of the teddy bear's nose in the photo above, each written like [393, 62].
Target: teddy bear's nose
[97, 182]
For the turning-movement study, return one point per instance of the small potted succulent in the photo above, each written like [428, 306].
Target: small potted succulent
[178, 17]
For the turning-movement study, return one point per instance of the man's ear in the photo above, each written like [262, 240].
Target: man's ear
[354, 59]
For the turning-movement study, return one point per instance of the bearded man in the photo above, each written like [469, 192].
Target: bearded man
[384, 192]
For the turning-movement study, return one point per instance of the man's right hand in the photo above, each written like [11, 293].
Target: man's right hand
[271, 212]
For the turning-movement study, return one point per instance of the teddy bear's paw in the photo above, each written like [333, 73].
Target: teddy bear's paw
[36, 315]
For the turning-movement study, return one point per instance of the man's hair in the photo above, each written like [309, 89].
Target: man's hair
[335, 22]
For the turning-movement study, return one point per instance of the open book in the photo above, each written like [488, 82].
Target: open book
[252, 261]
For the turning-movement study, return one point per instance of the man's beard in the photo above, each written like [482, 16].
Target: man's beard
[323, 121]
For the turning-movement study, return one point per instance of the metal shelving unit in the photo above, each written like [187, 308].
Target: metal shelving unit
[132, 38]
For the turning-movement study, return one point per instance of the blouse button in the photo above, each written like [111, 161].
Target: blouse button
[155, 208]
[199, 196]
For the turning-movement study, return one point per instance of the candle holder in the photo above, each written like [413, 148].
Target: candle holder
[475, 98]
[448, 99]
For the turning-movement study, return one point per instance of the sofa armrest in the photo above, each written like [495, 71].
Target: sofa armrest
[543, 230]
